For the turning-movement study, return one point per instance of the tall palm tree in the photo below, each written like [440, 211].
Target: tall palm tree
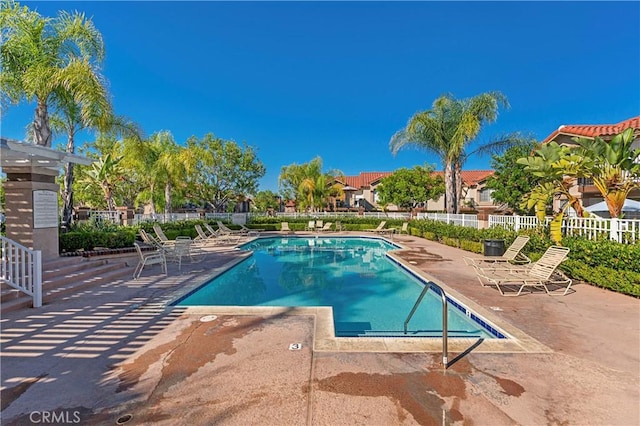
[70, 120]
[446, 130]
[46, 58]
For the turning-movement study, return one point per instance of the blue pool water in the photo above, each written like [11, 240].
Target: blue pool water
[370, 293]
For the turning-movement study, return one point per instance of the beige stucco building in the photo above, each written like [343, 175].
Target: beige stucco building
[360, 192]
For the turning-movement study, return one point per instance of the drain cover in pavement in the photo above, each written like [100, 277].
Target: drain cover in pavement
[295, 346]
[208, 318]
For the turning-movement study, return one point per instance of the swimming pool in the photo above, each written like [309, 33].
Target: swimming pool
[371, 294]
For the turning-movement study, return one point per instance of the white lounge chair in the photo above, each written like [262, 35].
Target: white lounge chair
[284, 227]
[380, 227]
[542, 273]
[512, 254]
[326, 227]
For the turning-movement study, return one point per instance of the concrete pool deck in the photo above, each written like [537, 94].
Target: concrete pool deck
[117, 350]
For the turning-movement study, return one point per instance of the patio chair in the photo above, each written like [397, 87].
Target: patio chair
[326, 227]
[204, 239]
[284, 227]
[224, 236]
[311, 226]
[380, 227]
[182, 248]
[161, 235]
[319, 225]
[251, 231]
[155, 257]
[404, 229]
[511, 255]
[542, 273]
[226, 230]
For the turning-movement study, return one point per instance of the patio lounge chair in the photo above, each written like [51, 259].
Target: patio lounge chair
[162, 236]
[326, 227]
[251, 231]
[311, 226]
[512, 254]
[284, 227]
[204, 239]
[542, 273]
[404, 229]
[379, 228]
[151, 258]
[232, 238]
[225, 230]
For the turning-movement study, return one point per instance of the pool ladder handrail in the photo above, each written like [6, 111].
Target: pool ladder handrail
[426, 288]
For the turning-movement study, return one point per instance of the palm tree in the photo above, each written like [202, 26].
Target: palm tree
[44, 59]
[558, 167]
[613, 166]
[104, 174]
[309, 185]
[70, 120]
[446, 130]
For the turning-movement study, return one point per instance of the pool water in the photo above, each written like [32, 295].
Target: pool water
[370, 294]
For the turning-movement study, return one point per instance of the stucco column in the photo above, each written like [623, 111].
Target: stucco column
[34, 225]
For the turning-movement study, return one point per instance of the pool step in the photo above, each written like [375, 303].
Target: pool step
[65, 276]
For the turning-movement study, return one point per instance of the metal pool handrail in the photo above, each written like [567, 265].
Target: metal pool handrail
[426, 288]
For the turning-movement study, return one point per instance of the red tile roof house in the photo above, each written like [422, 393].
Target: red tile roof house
[584, 188]
[360, 192]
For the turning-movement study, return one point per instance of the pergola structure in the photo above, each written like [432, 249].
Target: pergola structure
[31, 193]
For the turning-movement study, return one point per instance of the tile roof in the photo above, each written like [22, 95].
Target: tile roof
[469, 177]
[593, 130]
[364, 179]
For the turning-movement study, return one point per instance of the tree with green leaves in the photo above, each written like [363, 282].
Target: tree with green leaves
[164, 163]
[613, 166]
[44, 59]
[410, 188]
[557, 167]
[105, 174]
[266, 200]
[223, 171]
[309, 186]
[511, 182]
[446, 130]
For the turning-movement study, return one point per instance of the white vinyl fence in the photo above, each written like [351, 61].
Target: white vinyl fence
[592, 228]
[468, 220]
[21, 268]
[621, 230]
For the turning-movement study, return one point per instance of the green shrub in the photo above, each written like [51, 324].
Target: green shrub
[471, 246]
[604, 252]
[87, 240]
[452, 242]
[627, 282]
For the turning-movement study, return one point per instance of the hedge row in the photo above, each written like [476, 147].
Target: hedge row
[89, 240]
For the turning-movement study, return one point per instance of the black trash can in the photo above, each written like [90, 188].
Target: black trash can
[494, 247]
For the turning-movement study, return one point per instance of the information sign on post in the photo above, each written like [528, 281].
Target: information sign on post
[45, 209]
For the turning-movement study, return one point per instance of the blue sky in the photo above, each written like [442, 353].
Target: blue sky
[297, 80]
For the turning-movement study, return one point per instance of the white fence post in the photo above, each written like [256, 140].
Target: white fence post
[614, 233]
[36, 268]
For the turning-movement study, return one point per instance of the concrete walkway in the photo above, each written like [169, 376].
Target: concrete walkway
[115, 354]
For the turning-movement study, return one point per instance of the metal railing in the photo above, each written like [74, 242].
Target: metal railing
[445, 317]
[21, 268]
